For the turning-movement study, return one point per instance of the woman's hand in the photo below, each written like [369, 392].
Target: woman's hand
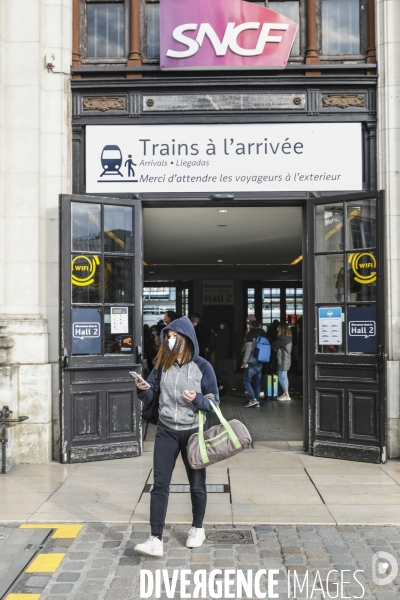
[142, 385]
[189, 396]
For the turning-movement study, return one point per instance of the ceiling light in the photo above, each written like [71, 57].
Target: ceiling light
[219, 260]
[223, 210]
[297, 260]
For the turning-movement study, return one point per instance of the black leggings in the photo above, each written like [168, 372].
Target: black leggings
[169, 442]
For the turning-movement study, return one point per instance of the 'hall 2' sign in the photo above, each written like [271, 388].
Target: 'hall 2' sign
[223, 34]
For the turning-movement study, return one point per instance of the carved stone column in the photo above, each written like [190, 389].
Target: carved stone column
[76, 37]
[134, 58]
[371, 52]
[312, 56]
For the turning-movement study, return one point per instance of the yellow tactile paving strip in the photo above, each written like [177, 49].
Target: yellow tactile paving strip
[46, 563]
[63, 531]
[23, 597]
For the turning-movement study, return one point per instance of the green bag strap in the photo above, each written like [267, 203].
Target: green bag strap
[224, 423]
[202, 443]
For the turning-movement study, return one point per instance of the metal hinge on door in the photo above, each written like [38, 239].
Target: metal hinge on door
[381, 357]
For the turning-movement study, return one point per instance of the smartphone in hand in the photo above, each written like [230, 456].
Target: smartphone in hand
[138, 377]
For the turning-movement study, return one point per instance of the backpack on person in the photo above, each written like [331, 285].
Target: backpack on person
[262, 349]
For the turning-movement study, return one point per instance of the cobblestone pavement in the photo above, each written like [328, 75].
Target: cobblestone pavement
[102, 564]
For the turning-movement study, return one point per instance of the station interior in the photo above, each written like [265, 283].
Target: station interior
[259, 249]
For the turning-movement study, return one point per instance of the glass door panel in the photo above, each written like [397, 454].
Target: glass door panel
[101, 275]
[346, 308]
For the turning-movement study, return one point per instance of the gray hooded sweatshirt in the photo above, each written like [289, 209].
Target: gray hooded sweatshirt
[197, 375]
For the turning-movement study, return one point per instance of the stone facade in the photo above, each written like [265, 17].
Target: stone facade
[34, 170]
[35, 167]
[388, 49]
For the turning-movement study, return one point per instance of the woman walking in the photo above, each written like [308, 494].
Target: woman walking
[283, 348]
[187, 385]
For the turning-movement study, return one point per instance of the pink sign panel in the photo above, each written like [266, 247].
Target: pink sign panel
[223, 34]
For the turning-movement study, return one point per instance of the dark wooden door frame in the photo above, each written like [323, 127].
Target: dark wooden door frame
[307, 202]
[118, 365]
[378, 360]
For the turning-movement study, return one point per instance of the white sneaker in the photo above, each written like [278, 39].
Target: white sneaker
[196, 537]
[284, 398]
[152, 547]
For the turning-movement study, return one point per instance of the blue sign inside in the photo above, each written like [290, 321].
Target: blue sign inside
[330, 313]
[361, 329]
[86, 331]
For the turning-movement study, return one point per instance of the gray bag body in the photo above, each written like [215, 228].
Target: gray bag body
[217, 443]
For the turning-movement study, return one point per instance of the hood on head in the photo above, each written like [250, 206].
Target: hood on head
[184, 326]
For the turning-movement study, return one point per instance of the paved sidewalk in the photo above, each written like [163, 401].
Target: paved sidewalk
[101, 563]
[267, 485]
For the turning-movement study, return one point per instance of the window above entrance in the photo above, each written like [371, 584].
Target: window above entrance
[103, 29]
[128, 31]
[343, 25]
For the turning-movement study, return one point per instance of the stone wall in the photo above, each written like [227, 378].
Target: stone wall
[388, 52]
[35, 166]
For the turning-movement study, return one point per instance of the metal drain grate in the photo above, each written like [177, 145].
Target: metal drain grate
[230, 536]
[178, 488]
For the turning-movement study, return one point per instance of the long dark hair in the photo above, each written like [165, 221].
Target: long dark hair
[166, 358]
[284, 329]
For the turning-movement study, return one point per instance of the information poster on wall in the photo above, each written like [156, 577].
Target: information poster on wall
[330, 326]
[245, 157]
[119, 319]
[362, 333]
[217, 292]
[85, 331]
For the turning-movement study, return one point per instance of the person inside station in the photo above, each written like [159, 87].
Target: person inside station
[153, 346]
[223, 354]
[253, 368]
[170, 315]
[203, 334]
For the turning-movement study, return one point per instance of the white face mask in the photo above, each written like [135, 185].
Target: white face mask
[171, 343]
[194, 324]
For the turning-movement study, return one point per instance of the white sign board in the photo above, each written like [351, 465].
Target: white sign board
[119, 319]
[217, 292]
[330, 326]
[223, 158]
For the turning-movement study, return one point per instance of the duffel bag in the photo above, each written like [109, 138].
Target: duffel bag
[222, 441]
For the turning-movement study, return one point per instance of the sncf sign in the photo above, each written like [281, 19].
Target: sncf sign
[218, 34]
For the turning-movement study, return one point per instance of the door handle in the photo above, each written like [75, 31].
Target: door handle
[65, 358]
[381, 357]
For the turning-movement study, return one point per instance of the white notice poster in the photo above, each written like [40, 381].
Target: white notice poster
[119, 319]
[330, 326]
[223, 158]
